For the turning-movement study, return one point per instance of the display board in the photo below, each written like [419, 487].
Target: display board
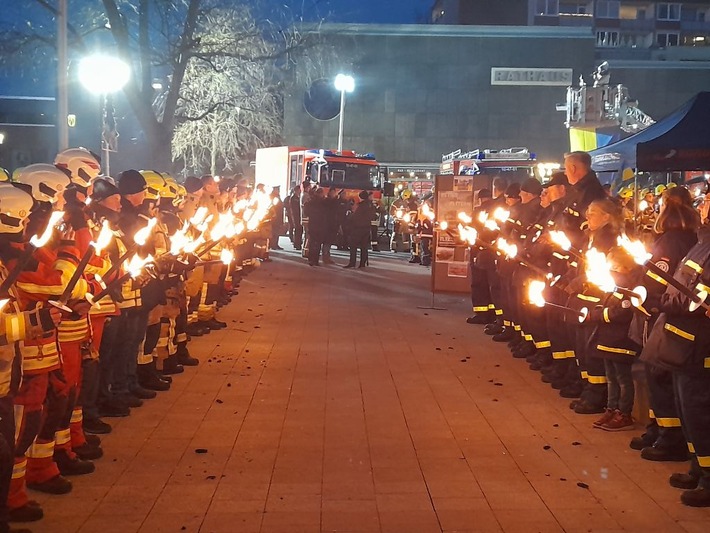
[450, 258]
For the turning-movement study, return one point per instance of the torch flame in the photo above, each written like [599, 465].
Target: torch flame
[136, 264]
[443, 225]
[3, 303]
[501, 215]
[226, 256]
[191, 246]
[510, 250]
[104, 238]
[199, 216]
[535, 290]
[407, 218]
[54, 219]
[468, 234]
[643, 205]
[399, 213]
[482, 217]
[179, 240]
[561, 240]
[142, 234]
[465, 218]
[598, 270]
[635, 249]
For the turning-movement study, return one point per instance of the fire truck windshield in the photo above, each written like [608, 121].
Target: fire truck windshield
[346, 175]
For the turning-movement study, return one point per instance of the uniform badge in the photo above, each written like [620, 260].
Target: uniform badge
[626, 304]
[663, 265]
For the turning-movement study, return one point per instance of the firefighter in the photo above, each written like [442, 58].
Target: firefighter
[425, 232]
[402, 209]
[374, 222]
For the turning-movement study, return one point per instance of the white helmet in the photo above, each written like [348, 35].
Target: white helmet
[15, 206]
[46, 180]
[83, 165]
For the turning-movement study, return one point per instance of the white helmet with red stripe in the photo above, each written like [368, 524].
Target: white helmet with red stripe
[46, 180]
[83, 165]
[15, 206]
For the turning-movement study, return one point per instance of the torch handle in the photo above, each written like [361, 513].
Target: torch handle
[564, 308]
[16, 271]
[111, 286]
[114, 267]
[652, 267]
[64, 298]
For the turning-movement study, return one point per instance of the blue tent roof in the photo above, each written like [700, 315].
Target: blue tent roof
[686, 127]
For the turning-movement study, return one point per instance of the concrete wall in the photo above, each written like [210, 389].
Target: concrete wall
[426, 90]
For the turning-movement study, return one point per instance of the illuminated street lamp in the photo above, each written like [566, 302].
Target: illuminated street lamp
[105, 75]
[344, 84]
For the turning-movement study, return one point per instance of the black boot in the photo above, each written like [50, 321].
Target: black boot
[56, 485]
[184, 357]
[72, 466]
[171, 366]
[699, 497]
[26, 513]
[664, 453]
[683, 481]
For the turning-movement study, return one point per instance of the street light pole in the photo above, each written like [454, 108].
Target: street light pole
[62, 83]
[344, 84]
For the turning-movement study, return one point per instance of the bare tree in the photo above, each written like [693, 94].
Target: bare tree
[172, 40]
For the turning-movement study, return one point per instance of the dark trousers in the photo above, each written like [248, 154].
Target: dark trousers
[426, 250]
[314, 246]
[620, 386]
[480, 293]
[361, 242]
[664, 408]
[693, 394]
[119, 351]
[7, 456]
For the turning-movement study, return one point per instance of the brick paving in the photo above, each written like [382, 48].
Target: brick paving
[332, 403]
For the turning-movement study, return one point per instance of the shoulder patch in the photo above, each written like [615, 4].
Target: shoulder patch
[663, 265]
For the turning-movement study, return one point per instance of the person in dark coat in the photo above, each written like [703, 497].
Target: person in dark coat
[293, 204]
[317, 227]
[358, 227]
[277, 218]
[332, 223]
[677, 226]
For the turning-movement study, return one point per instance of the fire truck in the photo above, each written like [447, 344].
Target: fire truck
[515, 164]
[288, 166]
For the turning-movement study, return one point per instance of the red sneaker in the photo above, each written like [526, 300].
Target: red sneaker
[606, 417]
[619, 422]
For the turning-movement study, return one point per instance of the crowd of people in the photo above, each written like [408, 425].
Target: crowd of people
[320, 218]
[102, 284]
[560, 274]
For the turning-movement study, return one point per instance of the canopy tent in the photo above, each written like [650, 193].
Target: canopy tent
[681, 141]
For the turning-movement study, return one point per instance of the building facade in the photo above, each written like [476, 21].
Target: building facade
[642, 26]
[427, 90]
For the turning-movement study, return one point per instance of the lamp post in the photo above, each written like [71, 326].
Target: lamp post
[344, 84]
[105, 75]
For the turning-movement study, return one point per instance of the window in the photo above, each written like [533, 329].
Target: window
[548, 8]
[574, 8]
[607, 39]
[608, 9]
[665, 40]
[667, 11]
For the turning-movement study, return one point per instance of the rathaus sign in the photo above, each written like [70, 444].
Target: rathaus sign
[531, 76]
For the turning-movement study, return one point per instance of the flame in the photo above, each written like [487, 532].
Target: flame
[443, 225]
[222, 227]
[635, 249]
[179, 240]
[87, 201]
[643, 205]
[399, 213]
[226, 256]
[510, 250]
[104, 238]
[490, 224]
[501, 214]
[535, 290]
[191, 246]
[199, 216]
[239, 226]
[407, 218]
[54, 219]
[482, 217]
[275, 202]
[468, 234]
[142, 234]
[136, 264]
[465, 218]
[561, 240]
[598, 270]
[3, 303]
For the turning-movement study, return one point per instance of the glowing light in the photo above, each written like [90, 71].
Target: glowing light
[636, 249]
[104, 238]
[54, 219]
[465, 218]
[598, 271]
[535, 290]
[141, 236]
[561, 240]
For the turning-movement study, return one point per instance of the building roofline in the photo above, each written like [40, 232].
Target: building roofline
[655, 64]
[445, 30]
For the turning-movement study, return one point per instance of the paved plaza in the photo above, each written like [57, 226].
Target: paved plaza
[332, 403]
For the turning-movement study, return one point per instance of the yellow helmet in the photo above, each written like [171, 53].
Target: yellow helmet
[660, 189]
[671, 185]
[155, 183]
[626, 193]
[406, 194]
[4, 175]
